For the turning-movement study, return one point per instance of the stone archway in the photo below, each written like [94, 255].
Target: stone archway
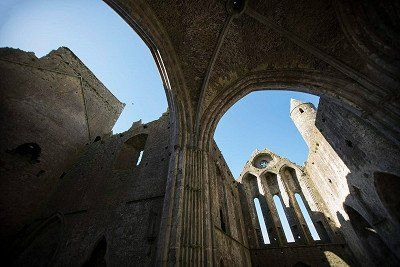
[143, 21]
[205, 42]
[313, 82]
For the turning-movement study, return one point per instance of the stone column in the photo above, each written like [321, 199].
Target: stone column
[251, 193]
[195, 241]
[185, 232]
[296, 216]
[274, 220]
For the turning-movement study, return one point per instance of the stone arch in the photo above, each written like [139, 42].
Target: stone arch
[260, 159]
[130, 152]
[297, 80]
[388, 187]
[308, 81]
[293, 182]
[250, 180]
[144, 22]
[271, 180]
[268, 172]
[140, 16]
[372, 31]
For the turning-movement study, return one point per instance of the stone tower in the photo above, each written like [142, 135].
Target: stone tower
[303, 116]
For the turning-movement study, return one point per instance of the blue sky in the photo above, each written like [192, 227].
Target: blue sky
[261, 120]
[120, 59]
[100, 38]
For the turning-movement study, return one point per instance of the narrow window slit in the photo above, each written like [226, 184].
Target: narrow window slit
[307, 217]
[261, 221]
[283, 219]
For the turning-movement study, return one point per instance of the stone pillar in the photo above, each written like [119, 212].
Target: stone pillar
[274, 218]
[195, 241]
[251, 191]
[296, 214]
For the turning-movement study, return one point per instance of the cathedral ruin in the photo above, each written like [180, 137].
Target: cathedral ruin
[161, 194]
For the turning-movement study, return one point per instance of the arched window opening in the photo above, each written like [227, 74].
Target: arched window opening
[388, 187]
[140, 157]
[307, 217]
[222, 200]
[98, 256]
[222, 220]
[131, 153]
[277, 132]
[252, 183]
[261, 221]
[283, 219]
[261, 161]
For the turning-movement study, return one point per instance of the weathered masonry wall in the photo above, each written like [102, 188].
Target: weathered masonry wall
[357, 172]
[229, 237]
[347, 50]
[314, 255]
[109, 204]
[267, 176]
[50, 107]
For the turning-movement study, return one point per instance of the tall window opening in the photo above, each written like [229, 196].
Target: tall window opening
[222, 200]
[261, 221]
[131, 153]
[140, 157]
[222, 219]
[307, 217]
[283, 219]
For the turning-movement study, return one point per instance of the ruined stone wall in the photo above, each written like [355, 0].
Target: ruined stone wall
[267, 175]
[345, 154]
[50, 107]
[229, 236]
[111, 211]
